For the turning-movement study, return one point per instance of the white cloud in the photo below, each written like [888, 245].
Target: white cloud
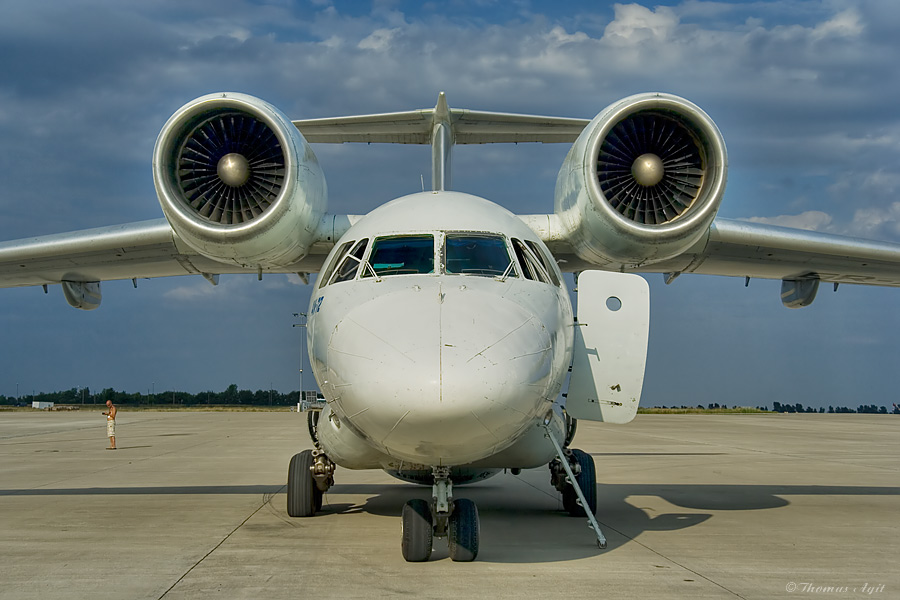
[380, 40]
[196, 289]
[634, 24]
[231, 288]
[876, 222]
[844, 24]
[811, 220]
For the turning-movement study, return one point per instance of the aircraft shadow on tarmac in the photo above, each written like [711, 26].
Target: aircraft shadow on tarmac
[525, 527]
[539, 530]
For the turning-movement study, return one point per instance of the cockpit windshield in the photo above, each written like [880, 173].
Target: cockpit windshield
[476, 254]
[472, 253]
[402, 255]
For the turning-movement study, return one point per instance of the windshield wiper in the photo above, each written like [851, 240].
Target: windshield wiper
[507, 272]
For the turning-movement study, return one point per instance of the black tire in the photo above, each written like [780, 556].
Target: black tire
[570, 502]
[587, 481]
[417, 531]
[302, 492]
[464, 531]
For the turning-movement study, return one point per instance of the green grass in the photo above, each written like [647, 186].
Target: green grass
[739, 410]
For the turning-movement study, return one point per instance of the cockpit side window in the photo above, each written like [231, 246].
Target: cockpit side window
[402, 255]
[326, 274]
[350, 265]
[531, 266]
[476, 254]
[545, 262]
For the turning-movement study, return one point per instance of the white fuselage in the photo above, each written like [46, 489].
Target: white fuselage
[440, 335]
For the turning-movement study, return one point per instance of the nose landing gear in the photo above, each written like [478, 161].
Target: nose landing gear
[457, 520]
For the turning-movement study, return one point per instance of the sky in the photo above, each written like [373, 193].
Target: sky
[804, 93]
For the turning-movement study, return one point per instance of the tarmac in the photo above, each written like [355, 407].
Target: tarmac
[192, 505]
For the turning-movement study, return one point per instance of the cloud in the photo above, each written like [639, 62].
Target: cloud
[634, 25]
[232, 289]
[812, 220]
[844, 24]
[379, 40]
[877, 222]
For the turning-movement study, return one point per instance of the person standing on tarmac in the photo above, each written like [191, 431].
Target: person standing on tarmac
[111, 424]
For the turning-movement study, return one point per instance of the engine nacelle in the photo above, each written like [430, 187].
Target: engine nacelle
[643, 181]
[238, 182]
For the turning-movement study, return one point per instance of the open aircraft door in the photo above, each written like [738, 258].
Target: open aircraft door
[610, 347]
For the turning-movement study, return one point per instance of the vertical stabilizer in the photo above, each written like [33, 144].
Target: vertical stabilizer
[441, 145]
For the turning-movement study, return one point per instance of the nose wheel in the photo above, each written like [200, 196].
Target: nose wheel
[417, 531]
[457, 520]
[463, 531]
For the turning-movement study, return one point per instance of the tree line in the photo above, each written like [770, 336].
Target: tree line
[862, 408]
[230, 396]
[234, 396]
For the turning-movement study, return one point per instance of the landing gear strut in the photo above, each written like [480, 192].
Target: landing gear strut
[457, 520]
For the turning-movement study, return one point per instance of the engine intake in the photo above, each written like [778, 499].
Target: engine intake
[643, 181]
[238, 182]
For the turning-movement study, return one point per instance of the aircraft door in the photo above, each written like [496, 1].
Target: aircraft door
[610, 348]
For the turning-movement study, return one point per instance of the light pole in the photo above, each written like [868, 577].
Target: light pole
[302, 337]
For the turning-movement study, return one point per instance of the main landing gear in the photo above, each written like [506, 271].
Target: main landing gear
[457, 520]
[573, 474]
[310, 474]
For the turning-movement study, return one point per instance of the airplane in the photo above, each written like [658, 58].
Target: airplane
[440, 331]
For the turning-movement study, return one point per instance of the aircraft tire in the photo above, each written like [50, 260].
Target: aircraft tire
[417, 531]
[570, 502]
[587, 481]
[464, 531]
[303, 497]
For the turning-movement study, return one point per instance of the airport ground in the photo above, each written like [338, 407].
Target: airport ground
[192, 505]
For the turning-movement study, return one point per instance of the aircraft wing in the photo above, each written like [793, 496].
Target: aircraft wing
[138, 250]
[744, 249]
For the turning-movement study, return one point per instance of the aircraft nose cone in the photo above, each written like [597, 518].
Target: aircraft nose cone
[430, 377]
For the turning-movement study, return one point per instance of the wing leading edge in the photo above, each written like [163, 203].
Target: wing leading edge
[140, 250]
[725, 247]
[743, 249]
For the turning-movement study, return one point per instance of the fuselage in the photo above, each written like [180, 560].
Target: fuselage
[439, 333]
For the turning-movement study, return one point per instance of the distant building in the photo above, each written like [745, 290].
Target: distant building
[42, 405]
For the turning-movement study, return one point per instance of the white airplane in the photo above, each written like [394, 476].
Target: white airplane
[440, 332]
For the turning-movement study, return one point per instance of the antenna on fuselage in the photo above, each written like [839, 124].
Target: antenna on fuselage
[441, 144]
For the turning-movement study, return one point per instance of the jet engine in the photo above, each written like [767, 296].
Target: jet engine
[238, 182]
[643, 181]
